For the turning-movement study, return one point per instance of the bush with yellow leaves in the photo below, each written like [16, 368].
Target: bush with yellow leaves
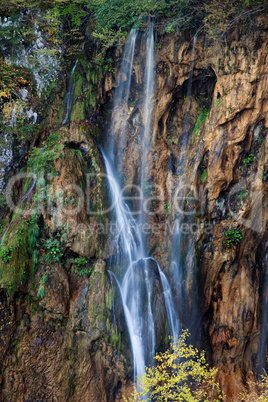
[180, 374]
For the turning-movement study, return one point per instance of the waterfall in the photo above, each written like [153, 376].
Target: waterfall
[130, 250]
[121, 98]
[147, 109]
[149, 93]
[136, 284]
[69, 95]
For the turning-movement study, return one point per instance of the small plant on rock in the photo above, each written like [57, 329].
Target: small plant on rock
[41, 289]
[249, 159]
[233, 237]
[53, 248]
[81, 264]
[6, 254]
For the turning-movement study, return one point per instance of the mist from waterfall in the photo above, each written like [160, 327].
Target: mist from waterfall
[136, 283]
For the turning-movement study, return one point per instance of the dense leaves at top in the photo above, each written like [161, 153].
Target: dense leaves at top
[122, 15]
[67, 23]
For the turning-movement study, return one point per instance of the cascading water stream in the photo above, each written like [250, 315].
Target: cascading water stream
[148, 109]
[69, 95]
[136, 287]
[121, 104]
[130, 250]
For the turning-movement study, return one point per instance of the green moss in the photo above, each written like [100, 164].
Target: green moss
[204, 175]
[78, 112]
[109, 298]
[16, 252]
[3, 224]
[200, 119]
[78, 87]
[116, 338]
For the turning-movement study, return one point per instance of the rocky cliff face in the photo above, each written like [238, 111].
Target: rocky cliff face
[63, 335]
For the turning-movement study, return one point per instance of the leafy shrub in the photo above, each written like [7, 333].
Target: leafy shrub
[233, 237]
[265, 175]
[81, 263]
[44, 158]
[53, 248]
[259, 393]
[249, 159]
[6, 254]
[181, 374]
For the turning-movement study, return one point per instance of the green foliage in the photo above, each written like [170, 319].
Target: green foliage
[181, 374]
[220, 17]
[6, 254]
[16, 252]
[200, 119]
[54, 246]
[233, 237]
[53, 249]
[81, 263]
[2, 200]
[241, 196]
[43, 159]
[249, 159]
[41, 292]
[167, 208]
[204, 175]
[12, 79]
[23, 130]
[41, 289]
[114, 18]
[3, 224]
[265, 175]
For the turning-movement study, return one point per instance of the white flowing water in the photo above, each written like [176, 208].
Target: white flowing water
[137, 282]
[170, 307]
[130, 251]
[148, 109]
[69, 95]
[121, 104]
[2, 239]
